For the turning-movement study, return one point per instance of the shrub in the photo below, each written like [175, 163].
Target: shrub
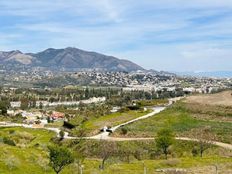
[61, 134]
[25, 135]
[194, 151]
[124, 131]
[136, 107]
[68, 125]
[11, 131]
[171, 162]
[11, 162]
[8, 141]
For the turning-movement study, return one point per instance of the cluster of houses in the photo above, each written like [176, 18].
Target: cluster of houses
[174, 86]
[17, 104]
[41, 117]
[37, 117]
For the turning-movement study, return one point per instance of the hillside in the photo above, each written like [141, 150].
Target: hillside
[68, 59]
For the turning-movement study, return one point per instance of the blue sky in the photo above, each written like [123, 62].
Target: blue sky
[172, 35]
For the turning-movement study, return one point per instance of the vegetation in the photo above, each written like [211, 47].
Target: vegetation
[40, 151]
[113, 119]
[182, 120]
[4, 105]
[59, 158]
[165, 138]
[152, 102]
[205, 138]
[123, 157]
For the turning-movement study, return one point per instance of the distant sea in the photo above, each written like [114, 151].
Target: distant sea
[217, 74]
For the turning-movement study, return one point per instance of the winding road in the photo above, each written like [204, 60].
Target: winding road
[105, 135]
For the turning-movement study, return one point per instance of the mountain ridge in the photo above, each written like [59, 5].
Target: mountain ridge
[69, 58]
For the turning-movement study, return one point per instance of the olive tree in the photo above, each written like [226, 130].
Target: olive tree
[205, 138]
[165, 138]
[59, 158]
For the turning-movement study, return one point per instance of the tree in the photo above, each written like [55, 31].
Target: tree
[4, 105]
[126, 149]
[61, 134]
[107, 149]
[49, 119]
[80, 155]
[165, 138]
[59, 158]
[80, 148]
[205, 139]
[24, 103]
[40, 105]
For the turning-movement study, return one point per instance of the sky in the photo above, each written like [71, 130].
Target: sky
[170, 35]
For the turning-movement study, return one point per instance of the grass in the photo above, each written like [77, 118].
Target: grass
[94, 125]
[56, 124]
[34, 159]
[137, 167]
[29, 155]
[154, 102]
[182, 121]
[41, 136]
[220, 99]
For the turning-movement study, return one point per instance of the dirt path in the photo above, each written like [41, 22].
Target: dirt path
[220, 144]
[105, 135]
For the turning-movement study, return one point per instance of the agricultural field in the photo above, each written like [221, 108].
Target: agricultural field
[188, 116]
[93, 126]
[223, 98]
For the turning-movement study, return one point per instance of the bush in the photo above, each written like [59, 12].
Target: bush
[171, 162]
[68, 125]
[124, 131]
[194, 151]
[25, 135]
[11, 162]
[11, 131]
[8, 141]
[61, 134]
[136, 107]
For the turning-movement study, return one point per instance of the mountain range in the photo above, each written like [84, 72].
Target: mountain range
[67, 59]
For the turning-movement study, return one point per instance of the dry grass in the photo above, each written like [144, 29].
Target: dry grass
[222, 98]
[221, 168]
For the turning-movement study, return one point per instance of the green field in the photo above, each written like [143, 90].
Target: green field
[93, 126]
[25, 150]
[30, 153]
[183, 120]
[30, 156]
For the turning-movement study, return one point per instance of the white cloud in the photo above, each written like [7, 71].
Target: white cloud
[164, 34]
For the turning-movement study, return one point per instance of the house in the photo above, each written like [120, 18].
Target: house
[10, 112]
[115, 109]
[57, 115]
[16, 104]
